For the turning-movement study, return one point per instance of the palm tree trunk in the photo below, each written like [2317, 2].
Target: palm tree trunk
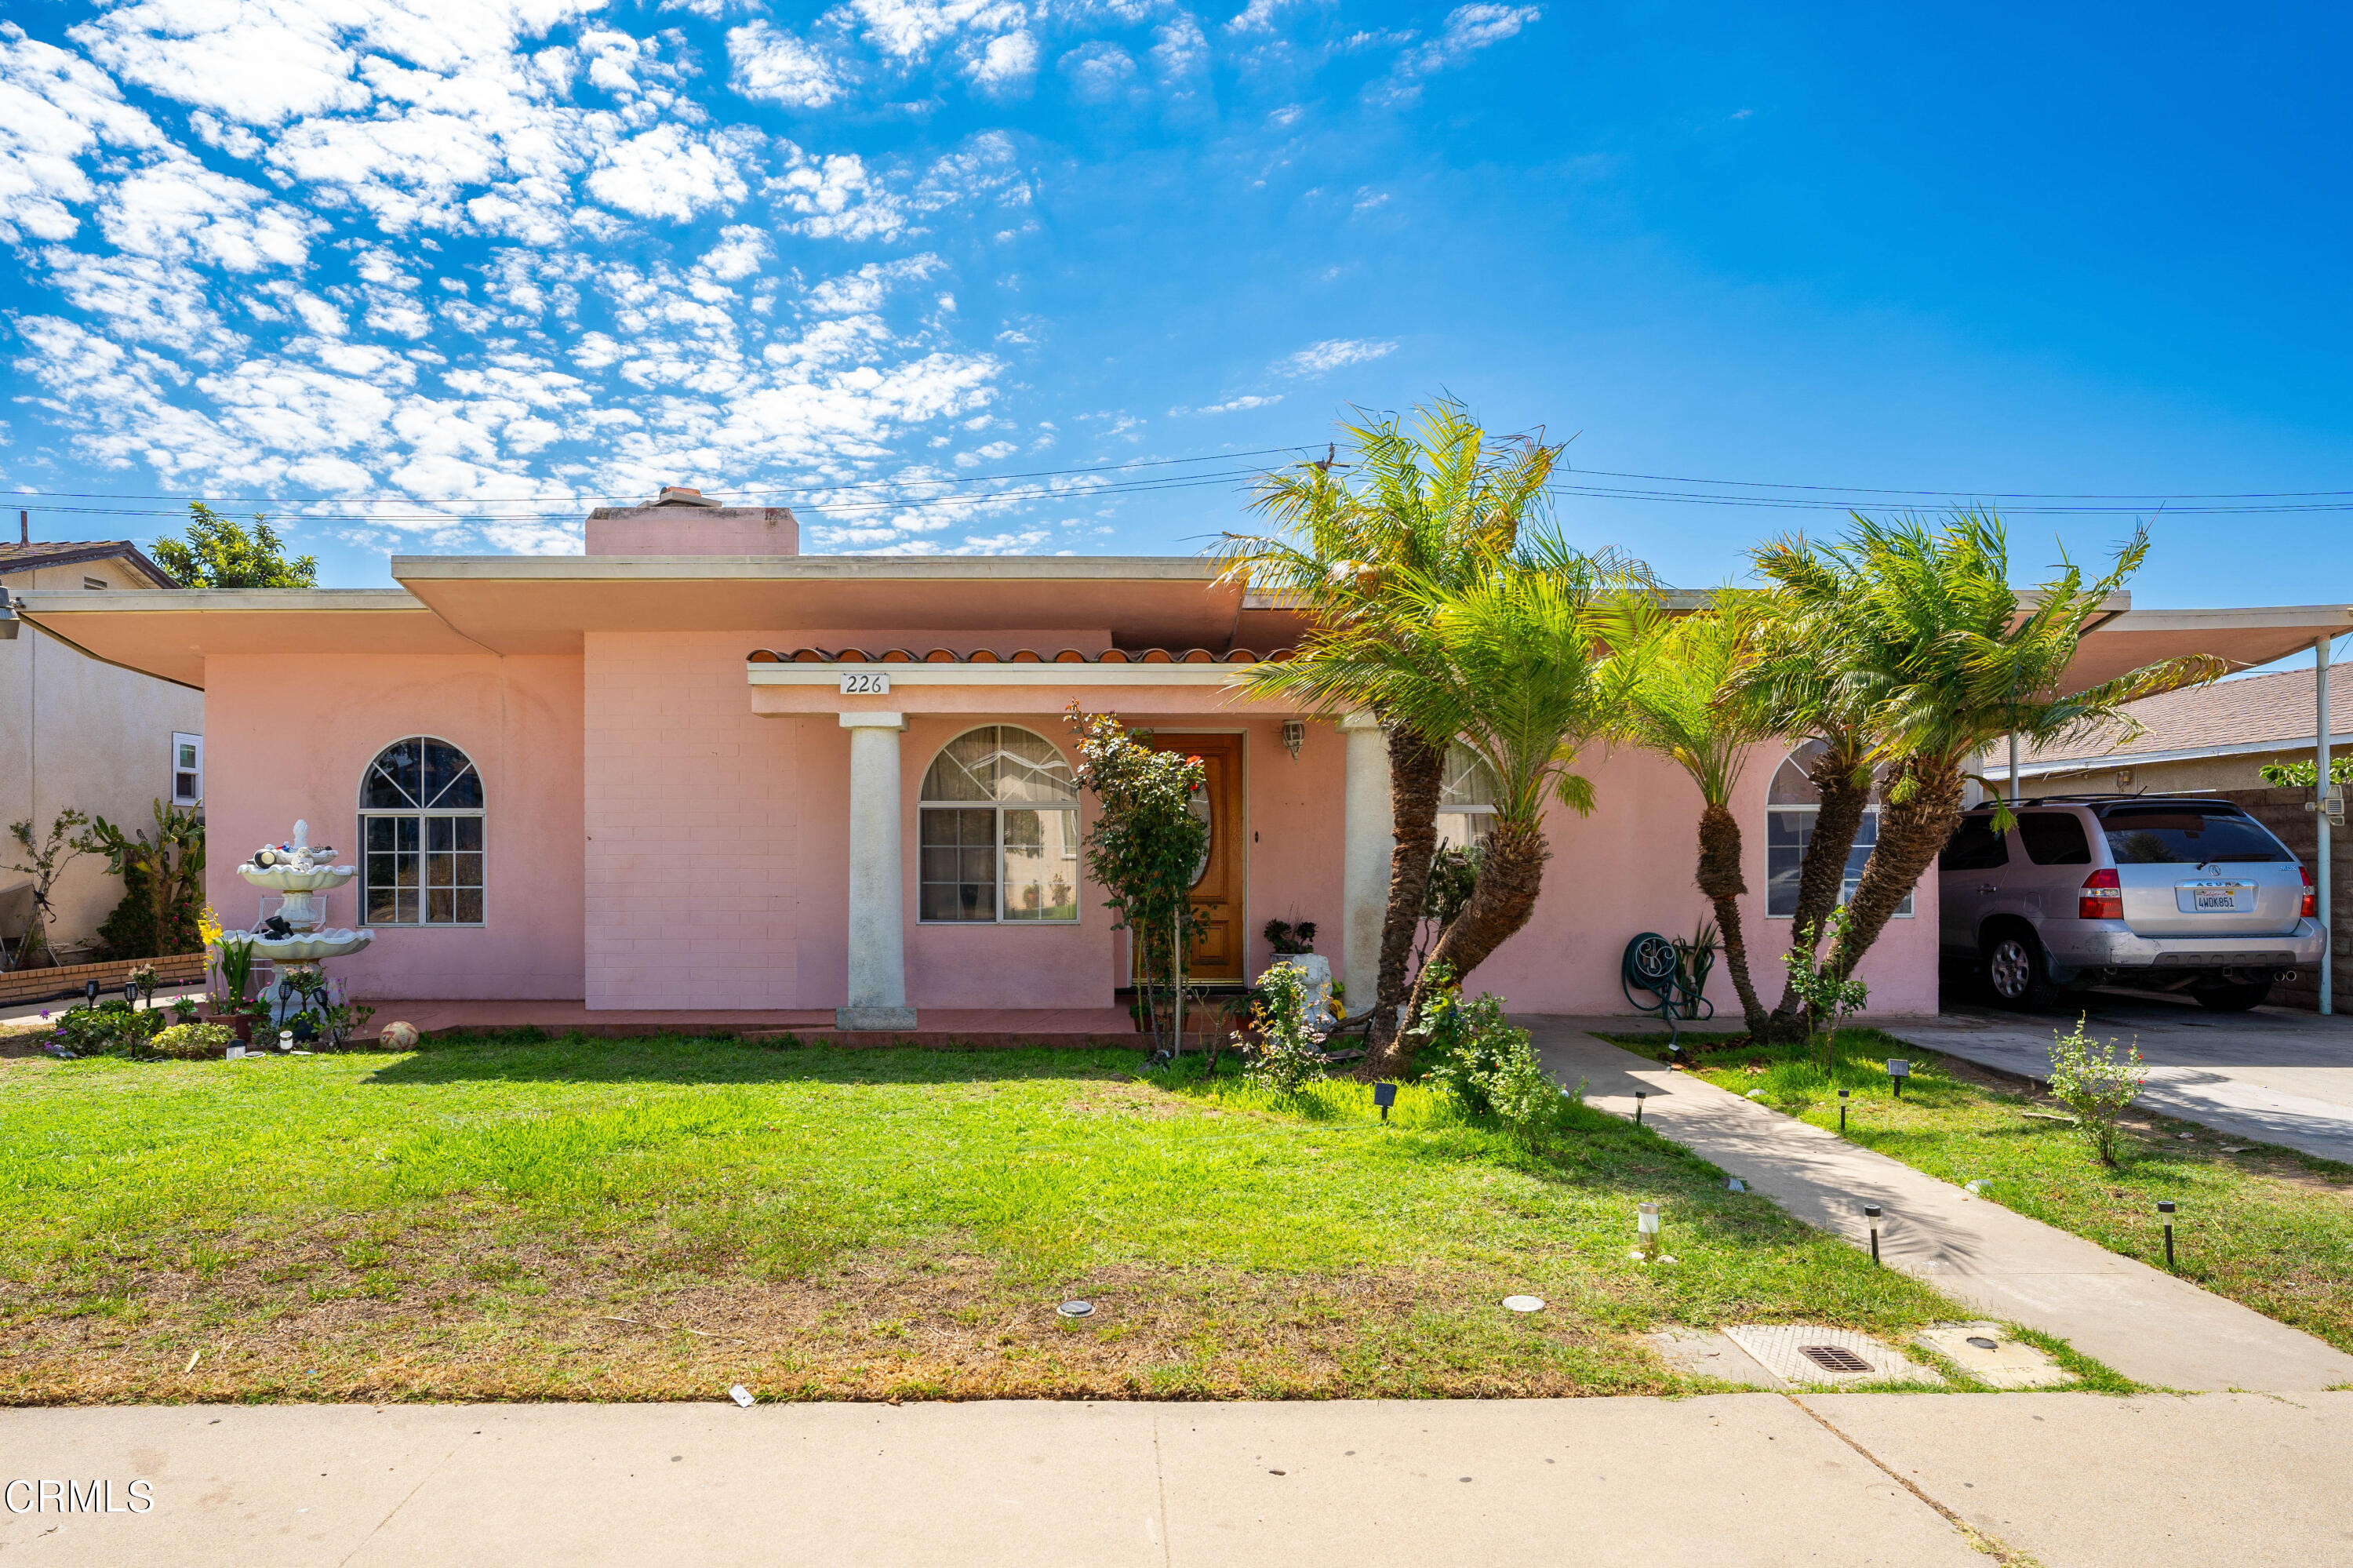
[1417, 770]
[1511, 873]
[1911, 836]
[1823, 872]
[1719, 878]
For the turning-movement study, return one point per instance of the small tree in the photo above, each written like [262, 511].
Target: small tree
[1829, 996]
[1145, 849]
[164, 882]
[2089, 1078]
[2300, 775]
[219, 553]
[1290, 1051]
[45, 861]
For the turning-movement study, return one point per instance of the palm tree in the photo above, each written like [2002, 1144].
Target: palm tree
[1811, 690]
[1514, 665]
[1685, 703]
[1949, 658]
[1434, 499]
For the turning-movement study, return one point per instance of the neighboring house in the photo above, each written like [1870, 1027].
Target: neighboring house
[76, 732]
[2208, 737]
[695, 769]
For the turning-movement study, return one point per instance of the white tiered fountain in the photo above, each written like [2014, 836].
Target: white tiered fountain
[295, 933]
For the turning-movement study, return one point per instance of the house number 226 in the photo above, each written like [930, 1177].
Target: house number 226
[874, 684]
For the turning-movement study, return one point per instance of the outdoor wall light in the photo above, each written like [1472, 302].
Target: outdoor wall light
[2165, 1210]
[1385, 1096]
[1871, 1212]
[1842, 1094]
[1898, 1069]
[1294, 735]
[7, 618]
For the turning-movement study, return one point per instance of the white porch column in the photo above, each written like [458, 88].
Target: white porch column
[878, 953]
[1369, 839]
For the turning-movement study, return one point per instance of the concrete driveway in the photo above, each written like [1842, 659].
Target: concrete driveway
[2270, 1075]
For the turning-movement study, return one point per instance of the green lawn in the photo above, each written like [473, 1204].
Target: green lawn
[2267, 1226]
[656, 1219]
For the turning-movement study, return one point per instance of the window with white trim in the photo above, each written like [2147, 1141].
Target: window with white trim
[421, 836]
[1466, 797]
[187, 769]
[997, 836]
[1791, 804]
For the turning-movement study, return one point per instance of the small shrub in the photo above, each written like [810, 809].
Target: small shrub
[112, 1028]
[1489, 1067]
[1289, 1050]
[1829, 996]
[193, 1042]
[2089, 1078]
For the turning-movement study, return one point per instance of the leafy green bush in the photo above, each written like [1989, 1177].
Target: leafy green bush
[1289, 1050]
[112, 1028]
[2089, 1078]
[193, 1042]
[1489, 1067]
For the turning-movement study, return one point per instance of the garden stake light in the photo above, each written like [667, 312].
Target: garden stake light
[1385, 1096]
[1842, 1094]
[1898, 1069]
[1646, 1225]
[1871, 1212]
[90, 993]
[2165, 1209]
[1639, 1094]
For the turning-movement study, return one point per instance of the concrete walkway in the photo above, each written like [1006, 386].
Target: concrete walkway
[1752, 1479]
[2270, 1076]
[2148, 1325]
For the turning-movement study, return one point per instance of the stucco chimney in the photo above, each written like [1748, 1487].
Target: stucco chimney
[683, 521]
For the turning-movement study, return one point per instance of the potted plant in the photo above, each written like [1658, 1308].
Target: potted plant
[233, 964]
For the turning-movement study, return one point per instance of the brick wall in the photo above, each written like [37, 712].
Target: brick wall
[2282, 810]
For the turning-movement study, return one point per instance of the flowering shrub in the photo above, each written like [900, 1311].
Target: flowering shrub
[112, 1028]
[190, 1042]
[2090, 1079]
[1290, 1051]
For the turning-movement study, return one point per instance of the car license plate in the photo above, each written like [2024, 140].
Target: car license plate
[2215, 898]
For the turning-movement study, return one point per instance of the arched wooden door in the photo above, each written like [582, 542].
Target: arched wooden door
[1219, 949]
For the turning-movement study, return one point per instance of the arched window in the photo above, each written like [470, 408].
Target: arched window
[999, 830]
[1791, 804]
[421, 836]
[1466, 797]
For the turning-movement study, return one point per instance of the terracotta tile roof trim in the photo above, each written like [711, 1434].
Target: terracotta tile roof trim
[1020, 656]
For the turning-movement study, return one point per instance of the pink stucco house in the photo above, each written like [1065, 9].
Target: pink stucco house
[694, 770]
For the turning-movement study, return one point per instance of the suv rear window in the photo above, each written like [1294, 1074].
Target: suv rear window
[2053, 838]
[2187, 835]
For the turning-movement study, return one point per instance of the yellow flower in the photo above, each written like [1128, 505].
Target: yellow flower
[208, 926]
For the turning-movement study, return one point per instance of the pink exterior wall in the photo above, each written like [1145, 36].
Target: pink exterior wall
[1628, 869]
[696, 531]
[288, 738]
[656, 842]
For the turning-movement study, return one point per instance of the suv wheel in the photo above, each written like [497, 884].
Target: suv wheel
[2237, 997]
[2012, 967]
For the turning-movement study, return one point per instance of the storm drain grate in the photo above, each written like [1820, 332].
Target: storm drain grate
[1834, 1358]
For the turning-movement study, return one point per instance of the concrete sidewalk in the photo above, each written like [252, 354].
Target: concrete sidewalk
[2148, 1325]
[2269, 1076]
[1751, 1478]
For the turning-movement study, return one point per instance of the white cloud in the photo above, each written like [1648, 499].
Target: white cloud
[177, 208]
[1231, 405]
[1468, 29]
[773, 64]
[1180, 49]
[55, 109]
[670, 173]
[1258, 17]
[1332, 353]
[1004, 64]
[1098, 70]
[865, 289]
[835, 197]
[907, 29]
[741, 249]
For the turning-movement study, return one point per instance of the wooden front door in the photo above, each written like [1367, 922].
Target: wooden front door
[1218, 951]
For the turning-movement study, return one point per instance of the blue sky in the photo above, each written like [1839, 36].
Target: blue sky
[478, 264]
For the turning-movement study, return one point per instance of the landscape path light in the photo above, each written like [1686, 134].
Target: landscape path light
[1898, 1069]
[1646, 1226]
[1385, 1096]
[1842, 1097]
[1077, 1309]
[1871, 1212]
[2165, 1211]
[1639, 1095]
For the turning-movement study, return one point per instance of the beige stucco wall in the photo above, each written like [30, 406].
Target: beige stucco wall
[2196, 773]
[77, 732]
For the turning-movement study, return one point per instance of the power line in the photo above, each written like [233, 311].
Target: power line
[2157, 495]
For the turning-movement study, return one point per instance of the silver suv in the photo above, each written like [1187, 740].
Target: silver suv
[2178, 893]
